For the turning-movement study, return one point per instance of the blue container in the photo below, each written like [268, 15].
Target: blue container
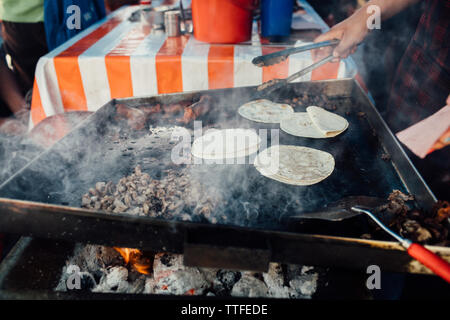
[276, 17]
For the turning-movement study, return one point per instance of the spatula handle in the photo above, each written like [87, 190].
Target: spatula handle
[439, 266]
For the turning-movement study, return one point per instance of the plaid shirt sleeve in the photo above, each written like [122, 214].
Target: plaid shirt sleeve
[422, 81]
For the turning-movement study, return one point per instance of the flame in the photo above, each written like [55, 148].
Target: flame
[133, 256]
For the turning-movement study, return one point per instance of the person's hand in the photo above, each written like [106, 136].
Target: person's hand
[350, 32]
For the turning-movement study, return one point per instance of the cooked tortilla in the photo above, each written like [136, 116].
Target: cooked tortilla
[265, 111]
[300, 124]
[295, 165]
[327, 122]
[226, 144]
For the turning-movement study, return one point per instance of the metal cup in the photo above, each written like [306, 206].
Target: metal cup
[172, 23]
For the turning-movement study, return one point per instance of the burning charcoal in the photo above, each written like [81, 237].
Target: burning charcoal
[274, 279]
[183, 282]
[166, 263]
[306, 285]
[116, 279]
[251, 287]
[228, 278]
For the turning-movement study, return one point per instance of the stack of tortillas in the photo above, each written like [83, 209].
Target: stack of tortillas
[316, 122]
[265, 111]
[226, 144]
[295, 165]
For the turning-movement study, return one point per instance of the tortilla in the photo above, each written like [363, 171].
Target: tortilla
[265, 111]
[300, 166]
[300, 124]
[327, 122]
[226, 144]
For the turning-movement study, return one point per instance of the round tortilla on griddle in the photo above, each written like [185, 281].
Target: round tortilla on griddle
[300, 124]
[265, 111]
[300, 166]
[226, 144]
[329, 123]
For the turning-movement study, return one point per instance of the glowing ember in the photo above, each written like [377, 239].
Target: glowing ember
[134, 257]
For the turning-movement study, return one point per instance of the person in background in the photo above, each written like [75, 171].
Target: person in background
[24, 37]
[422, 81]
[56, 15]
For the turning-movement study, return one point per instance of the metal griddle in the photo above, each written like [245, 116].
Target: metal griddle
[43, 199]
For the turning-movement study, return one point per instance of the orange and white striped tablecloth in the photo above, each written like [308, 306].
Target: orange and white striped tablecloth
[117, 58]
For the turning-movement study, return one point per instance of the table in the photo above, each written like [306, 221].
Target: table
[118, 58]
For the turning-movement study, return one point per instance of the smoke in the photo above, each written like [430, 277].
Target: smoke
[105, 148]
[15, 153]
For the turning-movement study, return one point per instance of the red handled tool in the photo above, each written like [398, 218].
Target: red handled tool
[439, 266]
[355, 205]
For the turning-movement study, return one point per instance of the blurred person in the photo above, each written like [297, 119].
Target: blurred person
[24, 37]
[422, 81]
[57, 13]
[12, 100]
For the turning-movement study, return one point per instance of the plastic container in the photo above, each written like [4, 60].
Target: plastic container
[223, 21]
[276, 17]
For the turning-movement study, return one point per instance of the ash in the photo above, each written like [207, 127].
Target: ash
[103, 270]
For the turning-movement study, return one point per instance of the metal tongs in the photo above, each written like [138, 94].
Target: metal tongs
[277, 57]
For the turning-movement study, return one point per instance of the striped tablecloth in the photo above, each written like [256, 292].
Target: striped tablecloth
[117, 58]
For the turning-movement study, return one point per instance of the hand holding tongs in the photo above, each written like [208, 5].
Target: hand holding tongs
[277, 57]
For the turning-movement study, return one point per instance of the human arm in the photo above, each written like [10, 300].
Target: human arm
[353, 30]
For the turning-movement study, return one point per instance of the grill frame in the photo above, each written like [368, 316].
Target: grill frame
[48, 220]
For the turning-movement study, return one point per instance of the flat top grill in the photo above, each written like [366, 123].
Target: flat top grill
[104, 149]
